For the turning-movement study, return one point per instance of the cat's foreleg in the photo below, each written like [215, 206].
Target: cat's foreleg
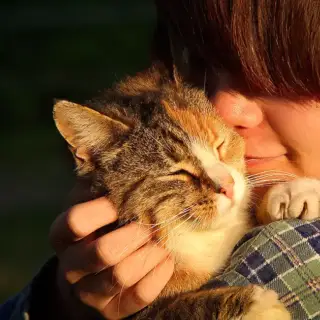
[228, 303]
[298, 198]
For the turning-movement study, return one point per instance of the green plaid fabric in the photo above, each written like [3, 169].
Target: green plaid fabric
[283, 256]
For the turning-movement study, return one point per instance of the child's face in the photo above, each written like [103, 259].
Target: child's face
[279, 134]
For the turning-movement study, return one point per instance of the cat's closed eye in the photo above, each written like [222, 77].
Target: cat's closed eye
[184, 171]
[220, 149]
[183, 174]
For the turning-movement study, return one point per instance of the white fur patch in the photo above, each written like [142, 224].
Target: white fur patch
[211, 163]
[205, 251]
[239, 184]
[207, 156]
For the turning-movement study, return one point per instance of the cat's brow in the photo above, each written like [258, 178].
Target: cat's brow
[175, 143]
[196, 124]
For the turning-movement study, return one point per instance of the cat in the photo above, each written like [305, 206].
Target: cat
[157, 149]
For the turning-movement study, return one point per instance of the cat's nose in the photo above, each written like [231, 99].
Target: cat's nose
[222, 179]
[226, 185]
[227, 189]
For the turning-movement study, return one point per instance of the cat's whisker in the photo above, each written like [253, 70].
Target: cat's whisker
[185, 213]
[159, 223]
[279, 172]
[195, 223]
[269, 180]
[254, 196]
[261, 182]
[152, 225]
[271, 171]
[267, 183]
[177, 216]
[179, 225]
[171, 220]
[121, 290]
[119, 299]
[266, 180]
[270, 176]
[166, 146]
[257, 183]
[159, 240]
[191, 228]
[205, 80]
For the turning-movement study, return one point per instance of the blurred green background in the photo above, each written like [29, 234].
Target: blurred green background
[53, 49]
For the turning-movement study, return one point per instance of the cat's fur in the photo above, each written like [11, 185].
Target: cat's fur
[161, 154]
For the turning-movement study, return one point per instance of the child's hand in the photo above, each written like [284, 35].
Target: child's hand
[118, 273]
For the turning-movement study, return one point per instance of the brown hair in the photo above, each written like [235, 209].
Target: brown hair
[273, 46]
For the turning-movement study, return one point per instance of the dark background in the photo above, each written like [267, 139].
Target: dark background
[52, 49]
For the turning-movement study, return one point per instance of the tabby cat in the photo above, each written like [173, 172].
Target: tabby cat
[157, 149]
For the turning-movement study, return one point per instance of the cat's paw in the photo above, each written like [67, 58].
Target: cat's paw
[299, 198]
[266, 306]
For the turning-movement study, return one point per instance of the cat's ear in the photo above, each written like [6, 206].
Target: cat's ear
[86, 130]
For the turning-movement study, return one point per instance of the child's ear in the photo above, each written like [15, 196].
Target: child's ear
[86, 131]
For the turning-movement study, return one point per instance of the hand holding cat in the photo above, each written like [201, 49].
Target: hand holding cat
[118, 273]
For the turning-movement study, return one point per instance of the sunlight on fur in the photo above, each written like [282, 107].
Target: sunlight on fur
[157, 149]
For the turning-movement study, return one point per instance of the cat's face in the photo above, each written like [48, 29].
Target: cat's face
[181, 167]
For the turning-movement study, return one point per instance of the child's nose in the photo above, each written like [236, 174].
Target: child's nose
[237, 110]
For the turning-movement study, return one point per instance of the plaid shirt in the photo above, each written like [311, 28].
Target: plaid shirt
[283, 256]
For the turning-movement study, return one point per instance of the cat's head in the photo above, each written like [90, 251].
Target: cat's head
[172, 163]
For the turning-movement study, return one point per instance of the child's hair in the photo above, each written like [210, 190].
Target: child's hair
[271, 46]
